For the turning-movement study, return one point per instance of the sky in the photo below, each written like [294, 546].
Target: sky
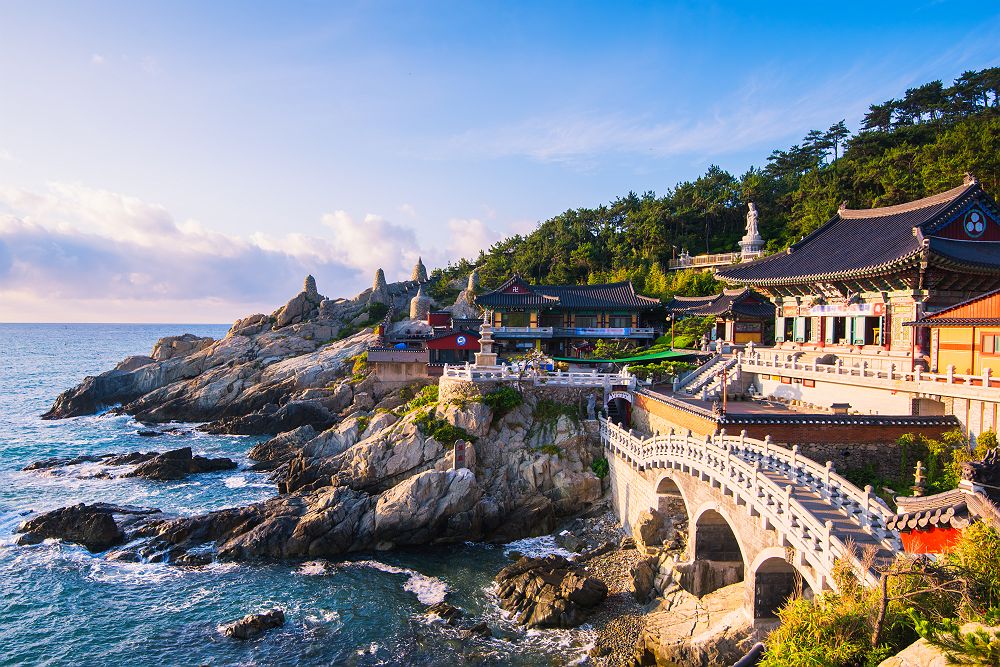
[192, 162]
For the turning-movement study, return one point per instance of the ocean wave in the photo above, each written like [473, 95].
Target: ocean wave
[314, 568]
[429, 590]
[537, 547]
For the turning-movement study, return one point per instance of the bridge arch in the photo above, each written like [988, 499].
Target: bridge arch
[713, 536]
[774, 580]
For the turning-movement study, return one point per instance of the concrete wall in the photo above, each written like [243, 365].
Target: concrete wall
[399, 371]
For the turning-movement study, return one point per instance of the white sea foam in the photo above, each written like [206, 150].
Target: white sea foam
[429, 590]
[236, 482]
[313, 568]
[537, 547]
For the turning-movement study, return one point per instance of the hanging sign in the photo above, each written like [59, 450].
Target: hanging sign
[849, 309]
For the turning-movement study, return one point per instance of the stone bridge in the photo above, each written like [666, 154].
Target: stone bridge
[777, 519]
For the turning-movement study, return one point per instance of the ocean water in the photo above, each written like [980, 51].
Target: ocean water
[61, 605]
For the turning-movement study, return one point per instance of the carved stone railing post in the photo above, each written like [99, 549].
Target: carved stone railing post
[951, 373]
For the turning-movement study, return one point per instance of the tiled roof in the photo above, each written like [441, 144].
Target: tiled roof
[955, 322]
[871, 242]
[610, 295]
[739, 302]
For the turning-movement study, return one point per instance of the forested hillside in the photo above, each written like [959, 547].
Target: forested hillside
[905, 148]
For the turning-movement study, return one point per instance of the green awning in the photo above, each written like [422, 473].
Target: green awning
[655, 356]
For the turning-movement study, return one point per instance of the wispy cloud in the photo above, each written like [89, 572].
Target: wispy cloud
[97, 59]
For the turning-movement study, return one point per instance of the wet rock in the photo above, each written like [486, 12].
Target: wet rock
[276, 419]
[62, 461]
[93, 526]
[446, 612]
[253, 625]
[550, 592]
[479, 630]
[178, 464]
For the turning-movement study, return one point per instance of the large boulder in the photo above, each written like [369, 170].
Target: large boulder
[280, 449]
[93, 526]
[252, 625]
[178, 464]
[474, 417]
[179, 346]
[550, 592]
[428, 507]
[650, 530]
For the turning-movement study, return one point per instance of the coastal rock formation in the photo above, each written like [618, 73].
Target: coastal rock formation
[178, 464]
[179, 346]
[97, 527]
[252, 625]
[261, 365]
[701, 632]
[170, 465]
[549, 592]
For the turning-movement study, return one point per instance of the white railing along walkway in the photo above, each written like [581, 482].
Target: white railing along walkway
[505, 373]
[814, 509]
[939, 384]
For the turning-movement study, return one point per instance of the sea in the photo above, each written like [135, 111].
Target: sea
[61, 605]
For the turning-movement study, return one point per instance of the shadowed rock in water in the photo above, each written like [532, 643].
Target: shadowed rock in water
[550, 592]
[93, 526]
[252, 625]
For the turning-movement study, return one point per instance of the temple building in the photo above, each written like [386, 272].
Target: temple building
[965, 337]
[853, 282]
[741, 315]
[563, 320]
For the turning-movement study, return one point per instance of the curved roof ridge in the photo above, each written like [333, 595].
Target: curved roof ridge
[940, 198]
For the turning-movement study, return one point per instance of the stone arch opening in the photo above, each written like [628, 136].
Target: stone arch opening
[715, 539]
[619, 407]
[775, 581]
[717, 559]
[671, 513]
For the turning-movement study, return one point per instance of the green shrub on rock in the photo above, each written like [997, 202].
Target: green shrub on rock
[503, 399]
[600, 467]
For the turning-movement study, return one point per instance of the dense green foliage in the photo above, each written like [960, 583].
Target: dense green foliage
[503, 399]
[600, 467]
[426, 396]
[922, 598]
[918, 145]
[443, 431]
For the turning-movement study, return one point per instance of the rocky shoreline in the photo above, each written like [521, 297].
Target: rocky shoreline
[363, 466]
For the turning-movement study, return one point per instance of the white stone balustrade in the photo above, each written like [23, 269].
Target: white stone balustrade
[979, 387]
[540, 378]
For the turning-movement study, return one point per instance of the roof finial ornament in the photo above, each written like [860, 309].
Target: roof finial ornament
[969, 179]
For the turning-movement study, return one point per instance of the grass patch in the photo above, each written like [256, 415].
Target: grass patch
[550, 449]
[363, 422]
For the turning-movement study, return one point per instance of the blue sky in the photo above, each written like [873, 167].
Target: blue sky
[193, 161]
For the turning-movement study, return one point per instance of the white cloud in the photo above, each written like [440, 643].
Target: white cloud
[97, 59]
[467, 236]
[74, 253]
[73, 245]
[407, 209]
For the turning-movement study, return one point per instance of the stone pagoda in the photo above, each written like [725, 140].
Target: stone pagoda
[486, 357]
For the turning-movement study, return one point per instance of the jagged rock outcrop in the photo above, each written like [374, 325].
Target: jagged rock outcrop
[262, 364]
[252, 625]
[97, 527]
[178, 464]
[550, 592]
[465, 305]
[280, 449]
[179, 346]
